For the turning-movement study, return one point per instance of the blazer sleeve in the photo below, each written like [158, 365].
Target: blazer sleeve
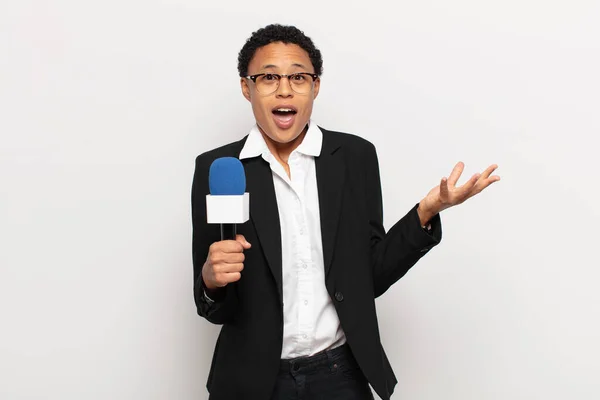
[220, 308]
[395, 252]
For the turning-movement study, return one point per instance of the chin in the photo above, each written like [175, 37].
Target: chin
[285, 136]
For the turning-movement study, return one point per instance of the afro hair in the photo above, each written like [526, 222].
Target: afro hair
[278, 33]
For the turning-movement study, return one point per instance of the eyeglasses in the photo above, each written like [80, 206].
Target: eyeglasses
[301, 82]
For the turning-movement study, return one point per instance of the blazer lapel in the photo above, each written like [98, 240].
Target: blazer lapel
[330, 181]
[264, 214]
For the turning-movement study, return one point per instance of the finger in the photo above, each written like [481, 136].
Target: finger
[482, 184]
[456, 173]
[444, 195]
[486, 174]
[232, 258]
[242, 240]
[226, 258]
[228, 268]
[466, 189]
[231, 277]
[217, 256]
[229, 246]
[226, 278]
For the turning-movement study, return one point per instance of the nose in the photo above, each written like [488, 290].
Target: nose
[285, 88]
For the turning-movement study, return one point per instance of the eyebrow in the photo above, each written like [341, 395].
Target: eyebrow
[275, 66]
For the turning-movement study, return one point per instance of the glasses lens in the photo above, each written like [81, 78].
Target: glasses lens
[301, 83]
[267, 84]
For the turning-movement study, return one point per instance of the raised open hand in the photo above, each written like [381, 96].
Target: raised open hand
[447, 194]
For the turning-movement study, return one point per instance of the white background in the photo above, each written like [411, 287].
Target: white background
[104, 106]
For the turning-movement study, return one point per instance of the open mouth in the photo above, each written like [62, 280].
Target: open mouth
[284, 116]
[283, 111]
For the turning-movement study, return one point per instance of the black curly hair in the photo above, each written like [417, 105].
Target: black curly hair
[278, 33]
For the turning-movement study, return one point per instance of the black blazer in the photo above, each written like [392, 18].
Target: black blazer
[361, 263]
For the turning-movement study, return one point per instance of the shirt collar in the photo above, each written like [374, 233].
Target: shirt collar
[255, 143]
[313, 141]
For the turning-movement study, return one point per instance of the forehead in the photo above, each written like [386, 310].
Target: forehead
[281, 56]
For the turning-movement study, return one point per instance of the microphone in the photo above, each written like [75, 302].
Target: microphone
[228, 203]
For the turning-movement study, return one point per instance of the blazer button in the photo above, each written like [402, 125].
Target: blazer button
[339, 296]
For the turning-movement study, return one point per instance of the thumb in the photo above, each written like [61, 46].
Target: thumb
[241, 239]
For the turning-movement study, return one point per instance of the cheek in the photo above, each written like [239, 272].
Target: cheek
[308, 108]
[259, 109]
[264, 109]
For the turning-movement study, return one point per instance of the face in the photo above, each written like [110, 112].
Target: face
[280, 58]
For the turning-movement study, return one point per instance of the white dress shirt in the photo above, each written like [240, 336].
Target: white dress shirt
[310, 322]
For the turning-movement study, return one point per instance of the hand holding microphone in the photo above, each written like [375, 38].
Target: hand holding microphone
[225, 262]
[227, 205]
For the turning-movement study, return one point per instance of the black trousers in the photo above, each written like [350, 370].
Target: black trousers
[328, 375]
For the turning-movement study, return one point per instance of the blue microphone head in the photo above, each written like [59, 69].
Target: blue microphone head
[226, 177]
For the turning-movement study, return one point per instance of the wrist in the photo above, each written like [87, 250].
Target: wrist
[425, 213]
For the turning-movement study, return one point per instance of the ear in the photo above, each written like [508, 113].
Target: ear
[316, 87]
[245, 88]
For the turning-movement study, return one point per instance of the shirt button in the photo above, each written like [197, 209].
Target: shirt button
[305, 302]
[304, 265]
[339, 296]
[304, 336]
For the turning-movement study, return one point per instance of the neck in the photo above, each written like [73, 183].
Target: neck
[282, 151]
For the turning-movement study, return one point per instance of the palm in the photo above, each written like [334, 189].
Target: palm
[447, 194]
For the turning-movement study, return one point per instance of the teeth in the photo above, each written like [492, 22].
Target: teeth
[284, 110]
